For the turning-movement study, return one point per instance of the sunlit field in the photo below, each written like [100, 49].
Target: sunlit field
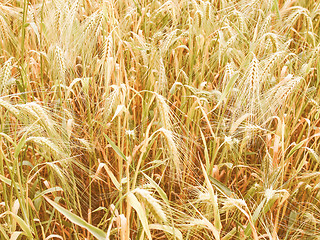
[136, 119]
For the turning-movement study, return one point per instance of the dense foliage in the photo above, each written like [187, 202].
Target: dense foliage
[159, 119]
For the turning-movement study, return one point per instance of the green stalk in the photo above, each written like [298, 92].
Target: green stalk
[41, 47]
[22, 85]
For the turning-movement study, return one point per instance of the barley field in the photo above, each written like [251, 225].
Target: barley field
[178, 119]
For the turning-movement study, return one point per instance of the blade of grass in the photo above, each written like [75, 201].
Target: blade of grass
[96, 232]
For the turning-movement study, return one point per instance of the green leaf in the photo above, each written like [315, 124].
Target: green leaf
[24, 226]
[162, 194]
[112, 177]
[295, 148]
[5, 180]
[20, 145]
[115, 148]
[230, 234]
[96, 232]
[221, 186]
[214, 200]
[133, 201]
[258, 210]
[50, 190]
[7, 137]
